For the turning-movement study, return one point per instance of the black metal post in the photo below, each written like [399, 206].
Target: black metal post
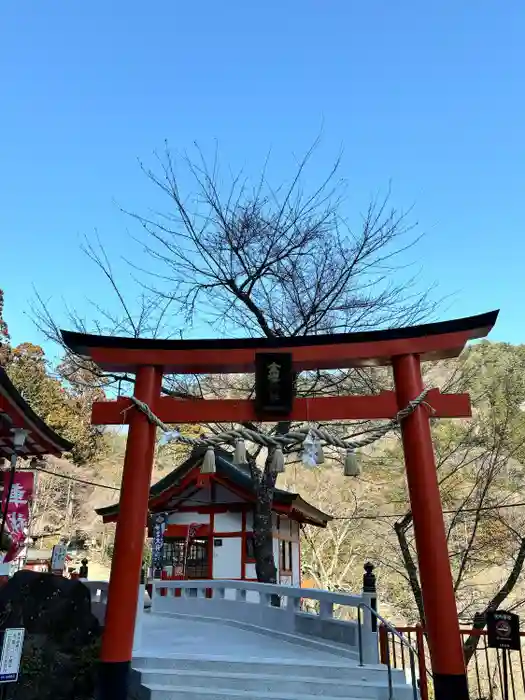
[369, 586]
[84, 571]
[505, 652]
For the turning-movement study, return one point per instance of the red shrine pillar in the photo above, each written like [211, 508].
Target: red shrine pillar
[117, 642]
[442, 624]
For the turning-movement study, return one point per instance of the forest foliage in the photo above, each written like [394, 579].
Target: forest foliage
[65, 405]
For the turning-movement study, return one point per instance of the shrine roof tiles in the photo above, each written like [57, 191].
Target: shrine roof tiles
[15, 412]
[237, 475]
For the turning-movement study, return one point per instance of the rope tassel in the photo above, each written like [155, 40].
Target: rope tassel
[351, 464]
[239, 456]
[208, 463]
[277, 463]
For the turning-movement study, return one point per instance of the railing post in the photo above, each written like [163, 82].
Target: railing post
[240, 595]
[383, 645]
[370, 641]
[153, 596]
[369, 586]
[326, 609]
[422, 663]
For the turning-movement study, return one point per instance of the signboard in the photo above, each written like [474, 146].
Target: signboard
[503, 630]
[159, 527]
[58, 558]
[274, 383]
[17, 520]
[12, 646]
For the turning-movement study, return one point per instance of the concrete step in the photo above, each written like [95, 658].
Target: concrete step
[359, 687]
[160, 692]
[275, 667]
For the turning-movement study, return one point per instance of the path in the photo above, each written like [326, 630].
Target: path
[172, 637]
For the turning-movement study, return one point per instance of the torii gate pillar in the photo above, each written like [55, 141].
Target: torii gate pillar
[441, 618]
[126, 564]
[403, 348]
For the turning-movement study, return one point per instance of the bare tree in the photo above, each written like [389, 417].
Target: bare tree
[332, 557]
[254, 259]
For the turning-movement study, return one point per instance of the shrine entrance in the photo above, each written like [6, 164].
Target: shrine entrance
[191, 559]
[403, 349]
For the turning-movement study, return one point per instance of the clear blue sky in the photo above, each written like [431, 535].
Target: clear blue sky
[428, 95]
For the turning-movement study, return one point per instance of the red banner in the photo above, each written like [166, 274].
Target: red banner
[17, 520]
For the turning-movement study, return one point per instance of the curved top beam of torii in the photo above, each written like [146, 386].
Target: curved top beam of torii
[431, 341]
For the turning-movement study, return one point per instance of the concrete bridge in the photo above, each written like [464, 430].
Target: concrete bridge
[215, 640]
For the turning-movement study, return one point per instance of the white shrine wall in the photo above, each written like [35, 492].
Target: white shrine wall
[227, 522]
[227, 557]
[250, 572]
[187, 518]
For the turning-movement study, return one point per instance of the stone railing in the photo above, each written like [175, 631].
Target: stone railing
[99, 600]
[283, 610]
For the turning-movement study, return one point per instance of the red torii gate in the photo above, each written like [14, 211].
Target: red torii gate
[402, 348]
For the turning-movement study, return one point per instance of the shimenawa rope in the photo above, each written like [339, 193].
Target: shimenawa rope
[312, 435]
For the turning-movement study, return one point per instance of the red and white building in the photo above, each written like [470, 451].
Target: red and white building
[216, 511]
[16, 416]
[37, 560]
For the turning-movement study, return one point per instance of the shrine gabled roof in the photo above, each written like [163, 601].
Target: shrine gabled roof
[431, 341]
[237, 475]
[15, 412]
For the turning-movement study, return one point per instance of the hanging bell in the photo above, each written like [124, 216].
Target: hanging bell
[277, 462]
[308, 455]
[351, 467]
[239, 456]
[319, 454]
[208, 463]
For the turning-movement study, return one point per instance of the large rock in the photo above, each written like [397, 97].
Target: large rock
[61, 635]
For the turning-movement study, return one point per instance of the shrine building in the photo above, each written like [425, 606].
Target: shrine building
[15, 413]
[23, 436]
[209, 522]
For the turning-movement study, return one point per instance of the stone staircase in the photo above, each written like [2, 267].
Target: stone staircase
[223, 640]
[262, 679]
